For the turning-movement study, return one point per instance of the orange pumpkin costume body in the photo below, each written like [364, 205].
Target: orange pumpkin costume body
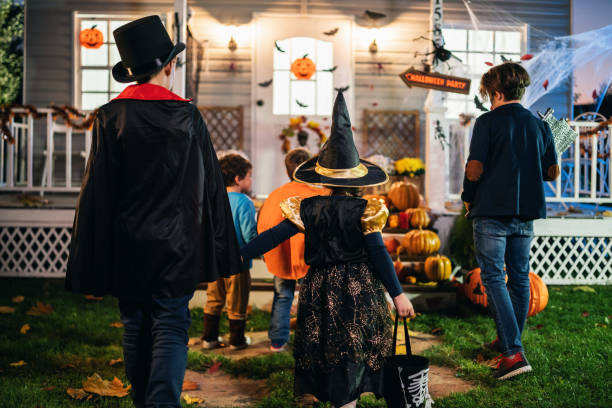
[286, 260]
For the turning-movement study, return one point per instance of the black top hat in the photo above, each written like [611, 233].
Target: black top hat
[145, 48]
[338, 163]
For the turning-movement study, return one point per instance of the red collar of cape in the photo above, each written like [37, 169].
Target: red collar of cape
[149, 92]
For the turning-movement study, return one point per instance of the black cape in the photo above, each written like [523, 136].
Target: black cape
[153, 218]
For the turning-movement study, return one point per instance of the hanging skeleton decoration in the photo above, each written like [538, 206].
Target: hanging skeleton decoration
[439, 135]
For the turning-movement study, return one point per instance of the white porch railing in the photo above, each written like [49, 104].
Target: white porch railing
[17, 172]
[586, 171]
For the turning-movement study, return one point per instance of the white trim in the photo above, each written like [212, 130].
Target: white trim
[36, 217]
[573, 227]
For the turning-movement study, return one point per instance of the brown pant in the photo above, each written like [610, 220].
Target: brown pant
[235, 290]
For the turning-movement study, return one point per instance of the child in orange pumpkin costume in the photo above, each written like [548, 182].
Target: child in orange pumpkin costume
[285, 262]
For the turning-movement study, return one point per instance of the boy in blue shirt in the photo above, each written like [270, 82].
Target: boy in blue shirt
[237, 172]
[512, 154]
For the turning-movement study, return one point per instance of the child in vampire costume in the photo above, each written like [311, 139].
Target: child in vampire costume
[343, 332]
[153, 218]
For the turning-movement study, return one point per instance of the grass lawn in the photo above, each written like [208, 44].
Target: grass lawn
[569, 346]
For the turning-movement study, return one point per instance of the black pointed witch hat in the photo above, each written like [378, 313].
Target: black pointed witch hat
[338, 164]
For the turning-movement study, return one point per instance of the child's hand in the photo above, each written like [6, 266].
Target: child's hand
[403, 306]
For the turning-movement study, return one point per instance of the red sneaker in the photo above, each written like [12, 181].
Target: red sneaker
[512, 366]
[495, 345]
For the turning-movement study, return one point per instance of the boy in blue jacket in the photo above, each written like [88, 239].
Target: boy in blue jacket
[512, 154]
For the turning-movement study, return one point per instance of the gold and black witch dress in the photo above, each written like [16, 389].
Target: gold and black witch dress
[343, 329]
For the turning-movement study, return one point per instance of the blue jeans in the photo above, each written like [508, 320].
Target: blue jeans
[496, 242]
[284, 290]
[155, 349]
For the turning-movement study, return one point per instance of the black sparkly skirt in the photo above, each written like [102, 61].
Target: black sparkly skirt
[343, 333]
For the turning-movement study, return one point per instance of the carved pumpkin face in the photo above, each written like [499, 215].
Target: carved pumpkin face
[303, 68]
[91, 38]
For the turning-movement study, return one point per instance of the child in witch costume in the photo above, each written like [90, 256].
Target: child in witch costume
[153, 218]
[237, 175]
[343, 332]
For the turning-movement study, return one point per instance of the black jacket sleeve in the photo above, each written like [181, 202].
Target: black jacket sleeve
[383, 265]
[219, 245]
[91, 246]
[269, 240]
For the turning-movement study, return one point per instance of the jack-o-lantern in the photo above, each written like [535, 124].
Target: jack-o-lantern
[303, 68]
[91, 38]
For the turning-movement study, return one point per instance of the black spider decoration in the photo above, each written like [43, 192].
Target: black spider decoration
[440, 54]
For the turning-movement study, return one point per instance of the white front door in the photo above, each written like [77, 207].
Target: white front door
[282, 42]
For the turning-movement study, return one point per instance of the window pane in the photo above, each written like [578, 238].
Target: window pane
[455, 107]
[100, 25]
[94, 79]
[117, 86]
[325, 86]
[477, 63]
[113, 26]
[94, 57]
[304, 92]
[301, 46]
[114, 55]
[91, 101]
[456, 40]
[481, 40]
[281, 93]
[282, 59]
[508, 41]
[325, 58]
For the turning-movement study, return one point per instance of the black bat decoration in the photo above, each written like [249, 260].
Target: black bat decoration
[504, 59]
[330, 69]
[278, 48]
[479, 104]
[300, 104]
[374, 15]
[265, 84]
[344, 89]
[331, 32]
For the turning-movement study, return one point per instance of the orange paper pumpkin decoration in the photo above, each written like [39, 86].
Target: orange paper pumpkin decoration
[91, 38]
[303, 68]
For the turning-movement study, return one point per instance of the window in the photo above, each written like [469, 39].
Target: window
[475, 49]
[312, 96]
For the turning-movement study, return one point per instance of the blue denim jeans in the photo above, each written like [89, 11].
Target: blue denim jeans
[498, 242]
[155, 349]
[284, 290]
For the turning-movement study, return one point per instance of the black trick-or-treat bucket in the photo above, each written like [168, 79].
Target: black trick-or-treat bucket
[406, 377]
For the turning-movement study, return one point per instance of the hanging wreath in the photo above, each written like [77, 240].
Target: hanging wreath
[91, 38]
[303, 68]
[297, 126]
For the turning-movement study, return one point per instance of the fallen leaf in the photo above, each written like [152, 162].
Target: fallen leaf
[538, 327]
[115, 361]
[585, 314]
[76, 393]
[19, 363]
[6, 309]
[594, 94]
[40, 309]
[194, 400]
[96, 385]
[249, 309]
[66, 366]
[49, 388]
[215, 367]
[116, 324]
[480, 358]
[190, 386]
[585, 289]
[437, 331]
[92, 297]
[24, 329]
[18, 299]
[545, 85]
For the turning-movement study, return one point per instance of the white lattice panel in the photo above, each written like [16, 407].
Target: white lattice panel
[575, 259]
[34, 251]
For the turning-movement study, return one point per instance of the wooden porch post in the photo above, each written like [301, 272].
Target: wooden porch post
[180, 34]
[436, 179]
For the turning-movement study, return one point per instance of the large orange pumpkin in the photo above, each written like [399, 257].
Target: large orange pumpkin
[475, 291]
[91, 38]
[404, 195]
[421, 243]
[418, 217]
[303, 68]
[437, 268]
